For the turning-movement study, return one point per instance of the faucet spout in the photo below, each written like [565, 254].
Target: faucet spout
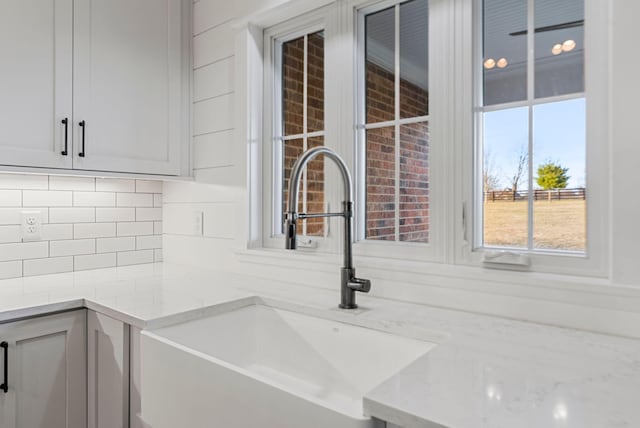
[349, 283]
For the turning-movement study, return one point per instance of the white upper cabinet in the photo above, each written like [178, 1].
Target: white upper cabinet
[35, 82]
[114, 69]
[127, 85]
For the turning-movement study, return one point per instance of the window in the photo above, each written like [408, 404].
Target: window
[298, 120]
[301, 123]
[437, 107]
[532, 125]
[395, 123]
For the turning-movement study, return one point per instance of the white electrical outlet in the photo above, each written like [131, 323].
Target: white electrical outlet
[198, 223]
[31, 225]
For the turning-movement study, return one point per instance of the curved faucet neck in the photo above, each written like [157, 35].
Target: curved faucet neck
[301, 163]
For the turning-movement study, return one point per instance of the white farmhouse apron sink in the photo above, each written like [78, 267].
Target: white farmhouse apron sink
[264, 367]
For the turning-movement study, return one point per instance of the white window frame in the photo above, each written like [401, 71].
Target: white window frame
[594, 260]
[436, 248]
[322, 19]
[454, 86]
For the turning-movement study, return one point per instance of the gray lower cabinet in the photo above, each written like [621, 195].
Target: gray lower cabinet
[45, 378]
[108, 372]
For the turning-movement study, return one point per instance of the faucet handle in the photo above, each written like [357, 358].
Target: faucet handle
[360, 284]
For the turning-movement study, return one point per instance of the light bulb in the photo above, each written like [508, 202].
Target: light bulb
[557, 49]
[502, 63]
[489, 63]
[568, 45]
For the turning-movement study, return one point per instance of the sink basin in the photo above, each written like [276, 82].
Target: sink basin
[260, 366]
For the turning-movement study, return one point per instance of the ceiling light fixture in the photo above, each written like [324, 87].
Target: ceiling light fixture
[489, 63]
[502, 63]
[568, 45]
[557, 49]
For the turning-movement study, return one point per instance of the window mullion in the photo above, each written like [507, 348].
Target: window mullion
[530, 97]
[305, 145]
[397, 121]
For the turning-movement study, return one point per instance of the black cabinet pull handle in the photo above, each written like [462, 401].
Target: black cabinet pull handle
[83, 126]
[5, 385]
[65, 122]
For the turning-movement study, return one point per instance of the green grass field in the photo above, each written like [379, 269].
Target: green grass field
[557, 224]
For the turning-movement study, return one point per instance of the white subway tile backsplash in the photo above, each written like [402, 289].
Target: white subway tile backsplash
[87, 223]
[135, 228]
[72, 183]
[10, 234]
[134, 200]
[148, 242]
[48, 266]
[55, 232]
[23, 251]
[94, 261]
[11, 269]
[135, 257]
[10, 198]
[46, 198]
[148, 186]
[72, 215]
[115, 185]
[24, 182]
[115, 214]
[94, 230]
[148, 214]
[94, 199]
[112, 245]
[72, 247]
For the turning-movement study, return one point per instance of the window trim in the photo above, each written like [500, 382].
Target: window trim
[452, 103]
[435, 249]
[273, 38]
[594, 261]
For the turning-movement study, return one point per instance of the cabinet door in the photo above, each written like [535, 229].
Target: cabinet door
[35, 84]
[127, 85]
[47, 372]
[108, 372]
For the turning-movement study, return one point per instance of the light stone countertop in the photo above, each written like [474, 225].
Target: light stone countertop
[486, 372]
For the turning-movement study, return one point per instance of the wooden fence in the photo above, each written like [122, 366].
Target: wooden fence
[538, 195]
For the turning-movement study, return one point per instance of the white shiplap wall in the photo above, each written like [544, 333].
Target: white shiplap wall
[87, 223]
[219, 153]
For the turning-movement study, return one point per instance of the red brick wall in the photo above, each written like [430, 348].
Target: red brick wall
[414, 145]
[414, 160]
[293, 114]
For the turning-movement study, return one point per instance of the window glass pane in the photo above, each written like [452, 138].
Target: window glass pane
[314, 187]
[505, 51]
[292, 149]
[315, 82]
[293, 86]
[414, 59]
[505, 177]
[559, 176]
[380, 65]
[414, 182]
[381, 184]
[559, 45]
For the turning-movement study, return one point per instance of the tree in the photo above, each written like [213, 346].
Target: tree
[552, 175]
[490, 178]
[521, 167]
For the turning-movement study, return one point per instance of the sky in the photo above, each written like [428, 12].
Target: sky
[559, 136]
